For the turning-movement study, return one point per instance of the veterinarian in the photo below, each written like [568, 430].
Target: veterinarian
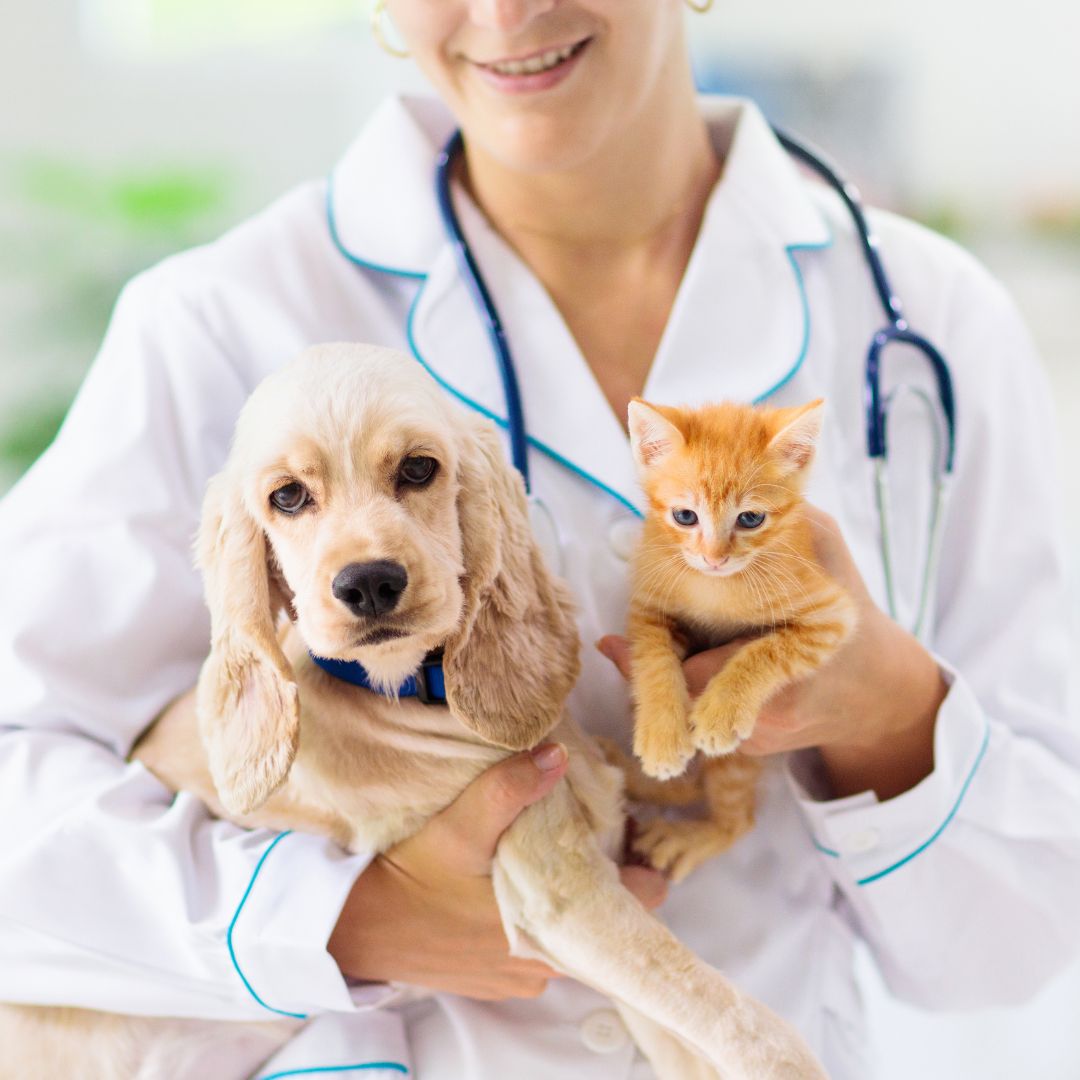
[637, 240]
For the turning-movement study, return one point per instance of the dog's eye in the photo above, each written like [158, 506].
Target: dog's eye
[291, 499]
[417, 470]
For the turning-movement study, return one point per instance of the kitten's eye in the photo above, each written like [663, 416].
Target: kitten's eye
[749, 519]
[684, 517]
[417, 470]
[291, 499]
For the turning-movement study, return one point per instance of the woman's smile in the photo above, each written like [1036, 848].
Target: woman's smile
[533, 72]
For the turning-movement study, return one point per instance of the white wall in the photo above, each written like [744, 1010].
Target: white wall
[991, 94]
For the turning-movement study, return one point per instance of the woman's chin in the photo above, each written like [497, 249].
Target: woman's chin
[538, 140]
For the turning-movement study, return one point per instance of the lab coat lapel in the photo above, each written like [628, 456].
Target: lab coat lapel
[567, 416]
[381, 208]
[741, 325]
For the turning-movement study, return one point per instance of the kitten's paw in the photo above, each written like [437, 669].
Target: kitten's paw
[677, 848]
[718, 729]
[664, 752]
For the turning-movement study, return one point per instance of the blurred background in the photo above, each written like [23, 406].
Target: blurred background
[133, 128]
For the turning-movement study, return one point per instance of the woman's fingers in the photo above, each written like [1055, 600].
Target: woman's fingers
[699, 668]
[617, 650]
[425, 912]
[648, 885]
[468, 830]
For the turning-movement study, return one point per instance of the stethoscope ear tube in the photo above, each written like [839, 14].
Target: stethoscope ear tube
[817, 162]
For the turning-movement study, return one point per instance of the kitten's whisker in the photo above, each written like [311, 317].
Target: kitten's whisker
[784, 575]
[793, 556]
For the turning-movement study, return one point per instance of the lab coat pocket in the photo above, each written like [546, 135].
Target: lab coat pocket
[339, 1042]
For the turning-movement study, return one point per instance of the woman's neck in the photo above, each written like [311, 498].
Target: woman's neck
[646, 188]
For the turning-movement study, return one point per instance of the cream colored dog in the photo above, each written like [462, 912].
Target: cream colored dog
[386, 523]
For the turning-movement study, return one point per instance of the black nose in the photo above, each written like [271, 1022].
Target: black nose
[371, 588]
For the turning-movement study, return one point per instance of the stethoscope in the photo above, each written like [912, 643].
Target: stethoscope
[942, 412]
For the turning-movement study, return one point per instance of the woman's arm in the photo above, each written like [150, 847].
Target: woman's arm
[113, 894]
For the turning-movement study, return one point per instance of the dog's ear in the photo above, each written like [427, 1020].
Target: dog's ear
[514, 659]
[248, 706]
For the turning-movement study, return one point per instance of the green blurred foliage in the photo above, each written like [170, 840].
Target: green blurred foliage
[26, 434]
[161, 201]
[74, 234]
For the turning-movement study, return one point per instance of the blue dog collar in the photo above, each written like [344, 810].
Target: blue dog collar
[428, 684]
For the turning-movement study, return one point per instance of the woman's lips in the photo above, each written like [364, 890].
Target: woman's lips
[515, 76]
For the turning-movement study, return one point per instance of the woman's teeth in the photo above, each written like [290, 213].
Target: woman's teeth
[535, 64]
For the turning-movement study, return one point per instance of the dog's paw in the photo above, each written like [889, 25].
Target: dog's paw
[664, 750]
[718, 727]
[677, 848]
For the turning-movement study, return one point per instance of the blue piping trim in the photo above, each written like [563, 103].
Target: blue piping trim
[335, 236]
[393, 1066]
[232, 926]
[937, 832]
[501, 421]
[804, 348]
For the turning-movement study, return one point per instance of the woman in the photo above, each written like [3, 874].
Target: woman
[637, 240]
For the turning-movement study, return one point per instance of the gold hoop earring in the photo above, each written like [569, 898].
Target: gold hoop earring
[378, 10]
[700, 6]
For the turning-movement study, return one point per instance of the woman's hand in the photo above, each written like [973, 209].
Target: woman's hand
[424, 912]
[870, 711]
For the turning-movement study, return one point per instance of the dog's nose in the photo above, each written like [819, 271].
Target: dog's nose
[371, 588]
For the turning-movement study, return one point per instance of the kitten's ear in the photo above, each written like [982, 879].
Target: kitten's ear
[652, 436]
[794, 443]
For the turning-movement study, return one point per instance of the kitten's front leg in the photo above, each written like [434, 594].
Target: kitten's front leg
[661, 731]
[728, 708]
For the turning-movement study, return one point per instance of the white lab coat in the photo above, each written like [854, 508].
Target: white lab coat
[116, 895]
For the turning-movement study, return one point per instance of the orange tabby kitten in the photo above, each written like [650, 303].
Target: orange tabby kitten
[726, 552]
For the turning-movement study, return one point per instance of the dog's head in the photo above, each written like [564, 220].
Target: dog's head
[385, 520]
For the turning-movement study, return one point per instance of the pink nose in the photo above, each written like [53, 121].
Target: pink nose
[717, 564]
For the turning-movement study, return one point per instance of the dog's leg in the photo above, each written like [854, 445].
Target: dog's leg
[668, 1055]
[560, 894]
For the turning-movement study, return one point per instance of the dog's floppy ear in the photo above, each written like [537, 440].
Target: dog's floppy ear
[248, 706]
[514, 658]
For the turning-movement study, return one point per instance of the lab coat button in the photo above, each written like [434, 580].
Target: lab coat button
[623, 537]
[859, 843]
[603, 1032]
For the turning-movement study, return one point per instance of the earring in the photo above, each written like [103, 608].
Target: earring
[700, 6]
[378, 10]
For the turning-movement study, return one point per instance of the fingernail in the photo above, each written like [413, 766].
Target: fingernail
[549, 756]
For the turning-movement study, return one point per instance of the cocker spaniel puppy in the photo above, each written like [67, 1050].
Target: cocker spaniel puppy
[363, 516]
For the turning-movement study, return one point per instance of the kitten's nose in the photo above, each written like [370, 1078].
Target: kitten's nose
[372, 588]
[717, 564]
